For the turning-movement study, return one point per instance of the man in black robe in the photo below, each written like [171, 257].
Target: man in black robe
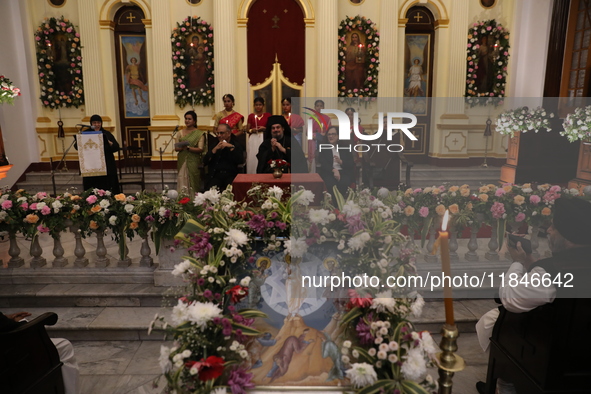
[281, 146]
[223, 159]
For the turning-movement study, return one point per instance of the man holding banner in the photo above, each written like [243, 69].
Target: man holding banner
[97, 162]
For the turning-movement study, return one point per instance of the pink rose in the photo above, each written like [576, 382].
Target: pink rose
[555, 189]
[33, 206]
[534, 199]
[499, 192]
[91, 199]
[520, 217]
[25, 206]
[182, 86]
[42, 229]
[45, 210]
[498, 210]
[424, 212]
[7, 204]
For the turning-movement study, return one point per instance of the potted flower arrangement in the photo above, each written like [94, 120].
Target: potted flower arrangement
[278, 167]
[577, 127]
[8, 92]
[523, 120]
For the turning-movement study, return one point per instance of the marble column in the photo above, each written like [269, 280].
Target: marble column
[224, 49]
[92, 75]
[456, 75]
[162, 92]
[327, 28]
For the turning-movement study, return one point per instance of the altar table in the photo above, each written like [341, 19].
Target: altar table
[312, 182]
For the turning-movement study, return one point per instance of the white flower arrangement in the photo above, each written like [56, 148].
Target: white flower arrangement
[523, 119]
[577, 125]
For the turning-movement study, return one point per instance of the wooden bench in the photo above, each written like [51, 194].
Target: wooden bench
[546, 350]
[29, 362]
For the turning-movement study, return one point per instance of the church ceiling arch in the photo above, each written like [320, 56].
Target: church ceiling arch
[435, 6]
[110, 7]
[245, 5]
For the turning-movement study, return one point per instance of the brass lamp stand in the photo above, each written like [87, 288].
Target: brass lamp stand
[449, 362]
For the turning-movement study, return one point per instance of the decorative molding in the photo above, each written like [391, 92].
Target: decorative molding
[454, 116]
[441, 23]
[110, 7]
[43, 119]
[44, 144]
[473, 126]
[147, 23]
[105, 118]
[402, 22]
[455, 134]
[165, 117]
[53, 130]
[306, 5]
[435, 6]
[107, 25]
[241, 22]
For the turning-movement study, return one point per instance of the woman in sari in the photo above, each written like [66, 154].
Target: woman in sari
[190, 147]
[295, 121]
[255, 127]
[231, 118]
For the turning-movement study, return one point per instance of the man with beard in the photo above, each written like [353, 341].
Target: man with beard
[280, 146]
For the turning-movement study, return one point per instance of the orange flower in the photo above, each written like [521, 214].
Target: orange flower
[483, 197]
[469, 206]
[32, 218]
[408, 192]
[464, 192]
[453, 208]
[526, 186]
[120, 197]
[483, 189]
[454, 189]
[95, 209]
[507, 188]
[133, 225]
[409, 211]
[440, 209]
[544, 187]
[435, 190]
[93, 225]
[491, 187]
[518, 200]
[465, 186]
[135, 218]
[546, 211]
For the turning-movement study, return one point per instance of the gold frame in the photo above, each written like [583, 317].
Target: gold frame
[275, 76]
[356, 4]
[57, 6]
[494, 3]
[191, 4]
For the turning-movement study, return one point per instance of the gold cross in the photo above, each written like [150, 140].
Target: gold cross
[139, 140]
[275, 19]
[285, 10]
[418, 17]
[455, 141]
[130, 17]
[264, 11]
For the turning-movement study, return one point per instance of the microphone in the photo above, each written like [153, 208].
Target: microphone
[84, 125]
[176, 129]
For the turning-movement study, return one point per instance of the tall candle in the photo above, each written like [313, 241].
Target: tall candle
[446, 268]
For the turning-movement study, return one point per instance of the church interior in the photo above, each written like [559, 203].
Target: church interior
[462, 68]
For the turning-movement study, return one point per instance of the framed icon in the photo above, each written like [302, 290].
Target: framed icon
[488, 3]
[57, 3]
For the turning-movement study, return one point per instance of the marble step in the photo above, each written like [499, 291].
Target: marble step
[83, 295]
[106, 323]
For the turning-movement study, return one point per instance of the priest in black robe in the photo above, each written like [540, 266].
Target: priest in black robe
[281, 146]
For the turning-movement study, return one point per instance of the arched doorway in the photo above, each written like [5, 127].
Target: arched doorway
[276, 48]
[132, 77]
[418, 78]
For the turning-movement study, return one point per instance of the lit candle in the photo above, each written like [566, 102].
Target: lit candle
[446, 268]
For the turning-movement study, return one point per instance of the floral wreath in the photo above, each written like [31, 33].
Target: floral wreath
[372, 61]
[500, 36]
[188, 27]
[45, 35]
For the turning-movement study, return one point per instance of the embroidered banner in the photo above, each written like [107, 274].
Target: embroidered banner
[91, 153]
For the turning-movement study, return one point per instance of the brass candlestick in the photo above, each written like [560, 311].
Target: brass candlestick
[449, 362]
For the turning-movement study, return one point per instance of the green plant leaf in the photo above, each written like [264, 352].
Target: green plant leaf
[410, 387]
[386, 385]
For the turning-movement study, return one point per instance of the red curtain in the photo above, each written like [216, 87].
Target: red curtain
[276, 27]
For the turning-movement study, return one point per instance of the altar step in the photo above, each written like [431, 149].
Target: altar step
[41, 181]
[423, 175]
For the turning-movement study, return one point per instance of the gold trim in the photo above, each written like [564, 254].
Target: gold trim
[305, 5]
[166, 117]
[402, 22]
[147, 11]
[242, 22]
[147, 22]
[57, 6]
[468, 155]
[107, 25]
[53, 130]
[448, 136]
[461, 126]
[43, 119]
[443, 23]
[455, 116]
[44, 146]
[309, 22]
[105, 118]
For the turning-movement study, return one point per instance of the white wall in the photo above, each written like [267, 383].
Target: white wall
[16, 63]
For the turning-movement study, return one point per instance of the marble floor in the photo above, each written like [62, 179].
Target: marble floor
[119, 367]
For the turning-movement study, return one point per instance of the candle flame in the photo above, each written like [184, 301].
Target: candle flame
[445, 220]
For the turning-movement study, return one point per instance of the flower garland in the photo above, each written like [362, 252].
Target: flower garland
[45, 37]
[181, 61]
[499, 58]
[523, 119]
[372, 61]
[577, 125]
[8, 91]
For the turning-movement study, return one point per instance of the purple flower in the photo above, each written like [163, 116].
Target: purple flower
[239, 380]
[200, 282]
[257, 224]
[149, 218]
[354, 224]
[208, 294]
[280, 225]
[201, 246]
[364, 331]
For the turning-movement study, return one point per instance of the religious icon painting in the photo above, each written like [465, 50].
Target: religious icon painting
[300, 339]
[57, 3]
[134, 72]
[488, 3]
[196, 63]
[355, 60]
[416, 65]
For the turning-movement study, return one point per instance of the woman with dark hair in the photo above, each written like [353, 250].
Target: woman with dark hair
[190, 147]
[111, 180]
[294, 121]
[336, 165]
[255, 127]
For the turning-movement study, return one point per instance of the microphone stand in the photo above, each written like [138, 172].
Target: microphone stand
[60, 163]
[176, 129]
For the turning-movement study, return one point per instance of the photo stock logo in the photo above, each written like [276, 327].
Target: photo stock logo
[344, 126]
